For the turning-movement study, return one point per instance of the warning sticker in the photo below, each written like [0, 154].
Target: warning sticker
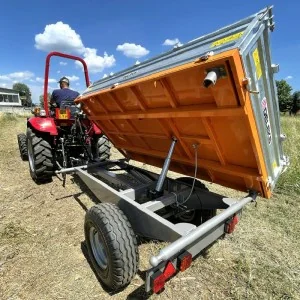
[264, 106]
[227, 39]
[257, 63]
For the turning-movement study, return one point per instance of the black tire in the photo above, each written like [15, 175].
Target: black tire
[40, 157]
[116, 263]
[196, 216]
[22, 141]
[101, 147]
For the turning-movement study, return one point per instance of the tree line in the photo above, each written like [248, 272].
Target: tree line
[288, 102]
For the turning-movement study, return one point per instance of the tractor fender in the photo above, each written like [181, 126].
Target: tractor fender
[96, 129]
[43, 125]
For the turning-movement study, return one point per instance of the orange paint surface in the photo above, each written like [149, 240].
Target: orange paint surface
[141, 116]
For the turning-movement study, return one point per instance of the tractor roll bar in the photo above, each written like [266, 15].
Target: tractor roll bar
[86, 74]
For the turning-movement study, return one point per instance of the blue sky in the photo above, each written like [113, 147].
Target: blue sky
[113, 35]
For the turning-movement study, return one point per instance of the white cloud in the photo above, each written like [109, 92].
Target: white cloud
[96, 63]
[77, 83]
[289, 77]
[73, 78]
[111, 73]
[3, 85]
[58, 72]
[17, 76]
[132, 50]
[105, 75]
[59, 37]
[169, 42]
[137, 62]
[62, 63]
[41, 80]
[5, 77]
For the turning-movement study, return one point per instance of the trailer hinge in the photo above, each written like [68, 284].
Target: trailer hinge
[204, 57]
[246, 83]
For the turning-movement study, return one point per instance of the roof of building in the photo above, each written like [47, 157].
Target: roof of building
[10, 91]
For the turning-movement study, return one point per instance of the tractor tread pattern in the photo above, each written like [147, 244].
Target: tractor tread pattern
[104, 147]
[22, 141]
[43, 158]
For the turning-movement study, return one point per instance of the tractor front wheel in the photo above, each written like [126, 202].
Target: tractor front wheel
[22, 141]
[40, 157]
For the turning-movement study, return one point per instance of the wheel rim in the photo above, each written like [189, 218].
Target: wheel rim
[30, 156]
[98, 249]
[188, 216]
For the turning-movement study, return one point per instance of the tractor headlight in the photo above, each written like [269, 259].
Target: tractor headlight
[42, 113]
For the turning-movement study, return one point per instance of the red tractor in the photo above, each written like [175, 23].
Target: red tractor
[61, 137]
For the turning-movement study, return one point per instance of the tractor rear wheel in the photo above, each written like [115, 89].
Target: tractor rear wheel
[101, 147]
[22, 141]
[40, 157]
[112, 245]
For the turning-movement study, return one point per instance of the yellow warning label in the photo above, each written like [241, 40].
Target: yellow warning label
[227, 39]
[274, 164]
[257, 63]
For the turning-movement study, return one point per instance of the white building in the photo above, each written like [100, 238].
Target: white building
[9, 98]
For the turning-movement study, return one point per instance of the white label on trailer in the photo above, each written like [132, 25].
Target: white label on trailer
[264, 105]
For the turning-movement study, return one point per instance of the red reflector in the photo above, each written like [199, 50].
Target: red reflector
[158, 281]
[169, 270]
[184, 261]
[230, 225]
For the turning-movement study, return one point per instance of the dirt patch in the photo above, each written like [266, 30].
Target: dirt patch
[42, 250]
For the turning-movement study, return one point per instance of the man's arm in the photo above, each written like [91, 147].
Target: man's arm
[52, 99]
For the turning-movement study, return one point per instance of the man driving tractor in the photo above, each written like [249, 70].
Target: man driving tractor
[63, 94]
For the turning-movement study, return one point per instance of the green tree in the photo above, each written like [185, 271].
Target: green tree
[295, 102]
[284, 95]
[42, 99]
[24, 92]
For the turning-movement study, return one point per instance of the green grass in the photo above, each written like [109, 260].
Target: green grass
[7, 117]
[260, 260]
[289, 182]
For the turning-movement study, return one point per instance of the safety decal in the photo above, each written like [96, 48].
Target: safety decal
[227, 39]
[264, 105]
[257, 63]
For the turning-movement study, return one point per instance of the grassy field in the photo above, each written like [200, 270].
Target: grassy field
[42, 253]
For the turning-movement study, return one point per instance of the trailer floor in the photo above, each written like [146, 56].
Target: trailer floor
[42, 252]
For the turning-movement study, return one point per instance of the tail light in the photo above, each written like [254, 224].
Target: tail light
[158, 281]
[159, 278]
[184, 261]
[230, 224]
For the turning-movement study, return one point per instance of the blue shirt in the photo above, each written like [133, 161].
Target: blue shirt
[64, 94]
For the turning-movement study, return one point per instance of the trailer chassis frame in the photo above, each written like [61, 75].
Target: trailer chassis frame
[149, 218]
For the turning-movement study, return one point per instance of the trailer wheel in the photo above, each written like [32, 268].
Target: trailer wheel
[111, 244]
[196, 216]
[22, 141]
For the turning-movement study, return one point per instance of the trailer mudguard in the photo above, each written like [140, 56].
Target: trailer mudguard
[43, 124]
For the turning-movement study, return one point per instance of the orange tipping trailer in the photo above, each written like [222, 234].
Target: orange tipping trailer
[207, 109]
[141, 116]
